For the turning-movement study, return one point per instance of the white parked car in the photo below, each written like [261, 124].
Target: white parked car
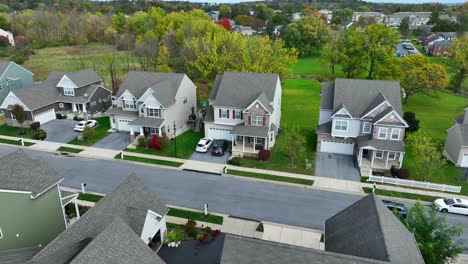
[204, 144]
[90, 123]
[449, 205]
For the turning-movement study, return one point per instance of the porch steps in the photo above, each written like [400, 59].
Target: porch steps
[365, 172]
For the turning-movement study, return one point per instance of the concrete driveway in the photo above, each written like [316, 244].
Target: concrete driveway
[207, 157]
[116, 141]
[60, 130]
[336, 166]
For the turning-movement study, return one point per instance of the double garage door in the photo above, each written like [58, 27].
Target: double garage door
[216, 132]
[122, 124]
[45, 116]
[331, 146]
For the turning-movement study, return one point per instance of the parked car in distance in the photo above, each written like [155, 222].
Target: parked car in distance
[204, 144]
[90, 123]
[399, 207]
[452, 205]
[219, 147]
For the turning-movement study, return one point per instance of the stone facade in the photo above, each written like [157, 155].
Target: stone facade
[257, 111]
[375, 133]
[377, 111]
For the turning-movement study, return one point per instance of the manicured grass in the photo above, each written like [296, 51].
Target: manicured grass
[150, 161]
[300, 108]
[12, 131]
[411, 196]
[100, 133]
[270, 177]
[15, 142]
[172, 225]
[90, 197]
[71, 150]
[197, 216]
[185, 146]
[322, 238]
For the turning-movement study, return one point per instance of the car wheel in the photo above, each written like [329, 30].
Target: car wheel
[444, 210]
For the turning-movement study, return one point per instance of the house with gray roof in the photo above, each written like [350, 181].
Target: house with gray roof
[363, 118]
[78, 92]
[32, 203]
[127, 226]
[456, 143]
[154, 103]
[13, 77]
[245, 108]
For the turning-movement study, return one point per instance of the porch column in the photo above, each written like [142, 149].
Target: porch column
[255, 142]
[402, 154]
[386, 160]
[360, 157]
[243, 143]
[266, 142]
[232, 141]
[84, 108]
[77, 210]
[131, 131]
[372, 162]
[159, 131]
[74, 108]
[141, 131]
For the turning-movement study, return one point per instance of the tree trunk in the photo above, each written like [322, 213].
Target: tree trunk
[461, 77]
[406, 99]
[371, 69]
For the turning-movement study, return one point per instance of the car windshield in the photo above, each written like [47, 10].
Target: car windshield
[201, 145]
[449, 201]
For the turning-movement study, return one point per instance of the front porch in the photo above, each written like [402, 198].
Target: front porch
[242, 145]
[379, 160]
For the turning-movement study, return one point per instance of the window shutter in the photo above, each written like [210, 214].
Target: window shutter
[220, 113]
[242, 115]
[227, 112]
[250, 120]
[233, 114]
[264, 121]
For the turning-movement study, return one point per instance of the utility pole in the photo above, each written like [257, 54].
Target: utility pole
[175, 141]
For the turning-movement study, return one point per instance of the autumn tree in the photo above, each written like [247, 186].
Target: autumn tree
[380, 44]
[458, 51]
[306, 34]
[225, 23]
[427, 155]
[163, 59]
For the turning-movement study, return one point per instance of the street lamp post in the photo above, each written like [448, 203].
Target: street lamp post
[175, 141]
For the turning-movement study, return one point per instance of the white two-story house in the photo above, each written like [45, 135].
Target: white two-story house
[245, 108]
[363, 118]
[456, 143]
[154, 103]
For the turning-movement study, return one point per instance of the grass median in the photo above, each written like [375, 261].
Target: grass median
[70, 150]
[90, 197]
[270, 177]
[412, 196]
[15, 142]
[150, 161]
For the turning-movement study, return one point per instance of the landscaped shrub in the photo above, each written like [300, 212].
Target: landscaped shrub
[264, 154]
[237, 161]
[192, 233]
[142, 143]
[163, 141]
[35, 126]
[70, 210]
[41, 134]
[259, 227]
[207, 230]
[404, 173]
[191, 224]
[154, 143]
[215, 233]
[88, 132]
[394, 171]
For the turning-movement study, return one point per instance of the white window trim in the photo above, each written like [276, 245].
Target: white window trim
[399, 132]
[364, 127]
[237, 112]
[394, 155]
[258, 120]
[386, 131]
[61, 105]
[132, 102]
[1, 233]
[157, 112]
[224, 113]
[13, 117]
[68, 91]
[341, 125]
[377, 156]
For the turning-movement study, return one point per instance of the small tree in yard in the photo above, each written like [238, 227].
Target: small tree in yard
[87, 132]
[437, 240]
[413, 123]
[18, 113]
[292, 144]
[427, 156]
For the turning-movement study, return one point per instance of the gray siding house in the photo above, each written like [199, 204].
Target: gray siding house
[13, 77]
[63, 92]
[456, 143]
[152, 103]
[363, 118]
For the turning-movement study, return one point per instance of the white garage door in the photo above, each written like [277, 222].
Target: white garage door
[218, 133]
[123, 124]
[337, 147]
[45, 116]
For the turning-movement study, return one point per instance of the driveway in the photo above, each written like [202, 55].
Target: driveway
[207, 157]
[116, 141]
[60, 130]
[336, 166]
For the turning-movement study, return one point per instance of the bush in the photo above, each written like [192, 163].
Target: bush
[264, 154]
[413, 123]
[88, 132]
[192, 233]
[163, 141]
[207, 230]
[142, 143]
[215, 233]
[41, 134]
[35, 126]
[404, 173]
[237, 161]
[191, 224]
[259, 227]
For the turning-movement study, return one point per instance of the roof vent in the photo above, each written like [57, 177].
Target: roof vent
[85, 95]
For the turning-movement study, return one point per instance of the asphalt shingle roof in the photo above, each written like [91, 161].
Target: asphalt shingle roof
[381, 144]
[120, 111]
[324, 128]
[368, 229]
[18, 256]
[328, 91]
[18, 171]
[463, 128]
[254, 131]
[147, 122]
[3, 66]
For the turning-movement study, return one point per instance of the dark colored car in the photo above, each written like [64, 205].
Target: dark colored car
[219, 147]
[399, 207]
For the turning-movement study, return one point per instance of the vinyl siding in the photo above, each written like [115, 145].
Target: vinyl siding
[453, 145]
[15, 71]
[354, 127]
[102, 94]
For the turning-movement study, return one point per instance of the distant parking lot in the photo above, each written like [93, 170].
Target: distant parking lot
[406, 48]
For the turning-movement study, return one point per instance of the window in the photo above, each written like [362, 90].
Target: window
[379, 154]
[61, 105]
[1, 233]
[93, 103]
[395, 133]
[185, 99]
[13, 117]
[1, 88]
[391, 155]
[382, 132]
[129, 104]
[256, 120]
[153, 112]
[367, 127]
[224, 113]
[154, 131]
[237, 114]
[68, 91]
[341, 125]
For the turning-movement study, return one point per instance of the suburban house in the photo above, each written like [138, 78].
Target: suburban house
[13, 77]
[456, 143]
[244, 30]
[126, 226]
[378, 16]
[9, 35]
[438, 47]
[363, 118]
[154, 103]
[31, 201]
[416, 19]
[245, 108]
[79, 93]
[350, 238]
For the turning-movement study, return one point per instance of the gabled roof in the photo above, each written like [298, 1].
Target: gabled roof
[442, 43]
[368, 229]
[240, 89]
[18, 256]
[3, 66]
[328, 91]
[20, 172]
[356, 95]
[130, 202]
[264, 101]
[378, 100]
[381, 144]
[84, 77]
[463, 128]
[164, 85]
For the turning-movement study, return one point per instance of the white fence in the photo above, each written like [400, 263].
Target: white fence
[416, 184]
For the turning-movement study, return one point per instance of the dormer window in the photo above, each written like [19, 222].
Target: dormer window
[129, 104]
[68, 91]
[153, 112]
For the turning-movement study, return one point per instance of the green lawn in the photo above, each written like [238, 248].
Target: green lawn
[411, 196]
[15, 142]
[300, 108]
[185, 146]
[150, 161]
[90, 197]
[270, 177]
[101, 133]
[71, 150]
[12, 131]
[197, 216]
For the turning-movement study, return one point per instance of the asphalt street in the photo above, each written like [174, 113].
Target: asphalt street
[290, 205]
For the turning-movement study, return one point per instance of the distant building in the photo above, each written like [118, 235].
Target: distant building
[327, 13]
[246, 31]
[214, 15]
[378, 16]
[9, 35]
[295, 16]
[416, 19]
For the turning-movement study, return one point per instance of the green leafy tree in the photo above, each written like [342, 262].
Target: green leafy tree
[404, 27]
[263, 12]
[244, 20]
[380, 44]
[306, 34]
[163, 59]
[18, 112]
[119, 22]
[88, 132]
[458, 51]
[224, 11]
[437, 240]
[353, 54]
[434, 18]
[4, 23]
[292, 144]
[331, 53]
[427, 155]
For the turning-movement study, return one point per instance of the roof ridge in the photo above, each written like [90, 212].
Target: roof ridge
[379, 222]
